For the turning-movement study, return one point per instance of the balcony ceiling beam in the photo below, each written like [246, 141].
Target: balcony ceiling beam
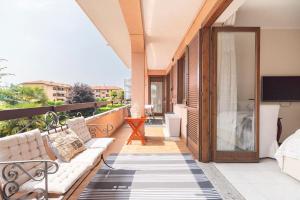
[132, 13]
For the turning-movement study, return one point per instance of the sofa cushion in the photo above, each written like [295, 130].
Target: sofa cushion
[99, 142]
[23, 146]
[65, 144]
[89, 156]
[62, 180]
[78, 125]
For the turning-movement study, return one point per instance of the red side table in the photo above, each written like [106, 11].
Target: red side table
[135, 124]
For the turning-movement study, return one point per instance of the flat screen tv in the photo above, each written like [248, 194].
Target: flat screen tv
[281, 88]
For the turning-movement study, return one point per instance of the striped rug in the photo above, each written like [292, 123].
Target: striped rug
[150, 176]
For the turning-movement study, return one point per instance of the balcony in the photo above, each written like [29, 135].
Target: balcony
[113, 125]
[107, 124]
[173, 51]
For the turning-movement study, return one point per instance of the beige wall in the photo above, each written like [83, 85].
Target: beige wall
[49, 91]
[138, 80]
[280, 55]
[245, 61]
[114, 117]
[104, 93]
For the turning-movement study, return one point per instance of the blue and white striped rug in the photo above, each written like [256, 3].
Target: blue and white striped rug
[150, 176]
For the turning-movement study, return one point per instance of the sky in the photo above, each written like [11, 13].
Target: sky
[54, 40]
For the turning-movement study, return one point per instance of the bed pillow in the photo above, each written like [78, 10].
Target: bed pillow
[65, 144]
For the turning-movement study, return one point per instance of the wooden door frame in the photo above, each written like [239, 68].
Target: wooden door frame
[229, 156]
[167, 93]
[158, 79]
[205, 94]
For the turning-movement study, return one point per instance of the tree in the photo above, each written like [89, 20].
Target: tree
[81, 93]
[33, 95]
[121, 95]
[15, 96]
[21, 97]
[113, 94]
[2, 74]
[10, 127]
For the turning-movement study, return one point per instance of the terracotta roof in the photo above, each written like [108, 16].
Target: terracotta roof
[105, 87]
[46, 83]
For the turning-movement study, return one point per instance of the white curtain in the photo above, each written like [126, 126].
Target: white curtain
[227, 92]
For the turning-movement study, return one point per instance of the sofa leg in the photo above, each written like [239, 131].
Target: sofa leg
[102, 158]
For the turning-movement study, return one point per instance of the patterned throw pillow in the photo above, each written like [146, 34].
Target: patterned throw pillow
[65, 144]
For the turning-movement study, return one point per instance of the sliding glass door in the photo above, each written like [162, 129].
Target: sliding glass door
[157, 96]
[236, 94]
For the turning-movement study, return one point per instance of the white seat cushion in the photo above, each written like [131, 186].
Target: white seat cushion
[23, 146]
[62, 180]
[89, 156]
[99, 142]
[79, 126]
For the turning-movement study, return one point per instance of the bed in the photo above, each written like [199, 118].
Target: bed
[288, 155]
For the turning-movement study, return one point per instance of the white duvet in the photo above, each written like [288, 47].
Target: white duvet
[289, 148]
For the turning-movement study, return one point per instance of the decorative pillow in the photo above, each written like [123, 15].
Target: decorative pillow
[65, 144]
[79, 127]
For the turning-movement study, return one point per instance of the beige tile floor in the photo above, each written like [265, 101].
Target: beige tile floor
[155, 143]
[255, 181]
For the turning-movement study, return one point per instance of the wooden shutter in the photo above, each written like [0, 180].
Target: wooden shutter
[168, 92]
[193, 138]
[175, 83]
[180, 82]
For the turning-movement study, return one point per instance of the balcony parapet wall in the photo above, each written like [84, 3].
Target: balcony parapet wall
[114, 117]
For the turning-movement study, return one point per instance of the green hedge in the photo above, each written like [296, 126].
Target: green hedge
[108, 108]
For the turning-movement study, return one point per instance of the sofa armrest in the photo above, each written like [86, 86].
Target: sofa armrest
[10, 173]
[106, 129]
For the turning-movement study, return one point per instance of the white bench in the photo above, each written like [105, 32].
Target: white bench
[25, 154]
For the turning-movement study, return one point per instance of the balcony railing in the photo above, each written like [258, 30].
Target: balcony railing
[30, 112]
[31, 118]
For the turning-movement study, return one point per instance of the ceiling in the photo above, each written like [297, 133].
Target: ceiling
[165, 24]
[268, 14]
[108, 18]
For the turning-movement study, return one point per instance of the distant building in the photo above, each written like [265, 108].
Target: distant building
[104, 91]
[54, 91]
[60, 92]
[127, 88]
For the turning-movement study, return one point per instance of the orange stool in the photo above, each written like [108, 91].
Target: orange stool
[135, 124]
